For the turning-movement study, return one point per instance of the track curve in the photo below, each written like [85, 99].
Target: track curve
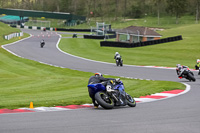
[179, 114]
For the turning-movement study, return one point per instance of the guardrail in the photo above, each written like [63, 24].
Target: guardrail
[139, 44]
[33, 27]
[8, 37]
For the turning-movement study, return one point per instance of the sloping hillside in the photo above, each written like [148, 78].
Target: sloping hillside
[5, 30]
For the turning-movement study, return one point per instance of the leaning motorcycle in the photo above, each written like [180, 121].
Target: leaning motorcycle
[42, 44]
[108, 97]
[186, 73]
[119, 61]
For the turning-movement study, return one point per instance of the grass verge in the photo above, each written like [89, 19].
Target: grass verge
[183, 52]
[23, 81]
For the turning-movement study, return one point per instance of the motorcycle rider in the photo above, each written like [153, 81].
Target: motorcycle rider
[197, 66]
[117, 56]
[42, 43]
[179, 67]
[98, 78]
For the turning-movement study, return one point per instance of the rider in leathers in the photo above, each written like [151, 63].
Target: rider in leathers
[117, 56]
[178, 70]
[98, 78]
[197, 66]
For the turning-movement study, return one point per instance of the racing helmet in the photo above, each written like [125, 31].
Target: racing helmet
[198, 60]
[178, 66]
[116, 53]
[98, 74]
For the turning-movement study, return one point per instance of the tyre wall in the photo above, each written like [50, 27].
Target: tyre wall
[139, 44]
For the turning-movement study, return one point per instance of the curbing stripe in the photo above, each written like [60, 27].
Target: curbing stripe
[153, 96]
[142, 99]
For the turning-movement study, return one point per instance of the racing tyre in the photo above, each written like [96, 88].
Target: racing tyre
[42, 45]
[191, 77]
[117, 63]
[121, 63]
[130, 100]
[104, 100]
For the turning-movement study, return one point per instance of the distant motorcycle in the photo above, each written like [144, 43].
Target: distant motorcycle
[186, 73]
[74, 36]
[119, 61]
[108, 98]
[42, 43]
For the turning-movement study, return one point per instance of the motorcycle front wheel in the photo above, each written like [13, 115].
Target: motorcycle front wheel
[117, 62]
[130, 100]
[104, 100]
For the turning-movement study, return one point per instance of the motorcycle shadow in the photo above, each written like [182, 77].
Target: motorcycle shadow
[115, 107]
[187, 81]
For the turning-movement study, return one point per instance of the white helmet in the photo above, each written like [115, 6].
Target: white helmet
[116, 53]
[198, 60]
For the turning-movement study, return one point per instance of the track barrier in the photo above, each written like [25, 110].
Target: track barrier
[139, 44]
[10, 36]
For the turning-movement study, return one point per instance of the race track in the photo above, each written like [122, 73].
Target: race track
[179, 114]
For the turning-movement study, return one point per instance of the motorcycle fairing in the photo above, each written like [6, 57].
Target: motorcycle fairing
[94, 88]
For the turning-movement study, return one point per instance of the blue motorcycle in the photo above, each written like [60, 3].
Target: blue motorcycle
[108, 97]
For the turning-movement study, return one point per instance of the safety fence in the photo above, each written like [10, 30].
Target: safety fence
[139, 44]
[8, 37]
[111, 34]
[33, 27]
[75, 30]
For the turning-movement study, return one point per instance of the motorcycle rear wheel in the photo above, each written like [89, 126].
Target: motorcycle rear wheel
[121, 64]
[130, 101]
[104, 100]
[191, 77]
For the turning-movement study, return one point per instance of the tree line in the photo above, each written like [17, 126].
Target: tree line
[112, 9]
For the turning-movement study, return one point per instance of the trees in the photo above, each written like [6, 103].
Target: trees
[177, 8]
[158, 6]
[197, 3]
[112, 9]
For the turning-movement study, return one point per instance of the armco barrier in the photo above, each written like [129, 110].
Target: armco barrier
[93, 37]
[139, 44]
[76, 30]
[8, 37]
[32, 27]
[99, 37]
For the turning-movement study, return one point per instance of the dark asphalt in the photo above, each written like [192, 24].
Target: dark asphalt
[179, 114]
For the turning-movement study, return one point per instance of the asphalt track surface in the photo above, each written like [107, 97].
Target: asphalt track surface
[179, 114]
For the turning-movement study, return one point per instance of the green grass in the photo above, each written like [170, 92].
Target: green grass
[184, 52]
[165, 22]
[23, 81]
[6, 31]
